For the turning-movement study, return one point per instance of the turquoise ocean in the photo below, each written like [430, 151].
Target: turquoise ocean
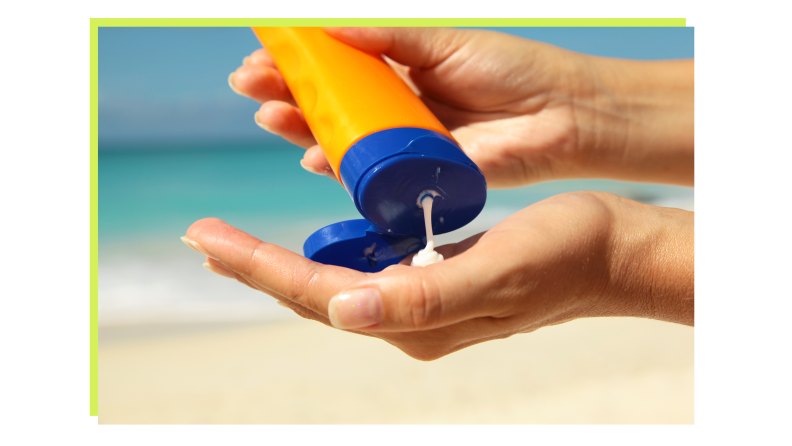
[149, 194]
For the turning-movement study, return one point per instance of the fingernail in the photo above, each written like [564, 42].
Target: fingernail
[233, 87]
[246, 60]
[356, 308]
[282, 304]
[260, 124]
[219, 270]
[196, 246]
[309, 168]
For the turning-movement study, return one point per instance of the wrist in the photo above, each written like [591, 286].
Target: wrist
[651, 269]
[635, 120]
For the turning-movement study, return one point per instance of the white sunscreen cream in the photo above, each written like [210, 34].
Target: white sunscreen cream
[428, 255]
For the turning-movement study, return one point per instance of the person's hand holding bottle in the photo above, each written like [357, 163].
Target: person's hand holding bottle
[523, 111]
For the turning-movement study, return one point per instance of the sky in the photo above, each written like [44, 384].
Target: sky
[170, 84]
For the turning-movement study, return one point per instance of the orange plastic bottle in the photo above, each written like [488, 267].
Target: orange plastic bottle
[383, 143]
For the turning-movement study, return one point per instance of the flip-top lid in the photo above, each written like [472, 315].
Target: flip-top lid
[359, 245]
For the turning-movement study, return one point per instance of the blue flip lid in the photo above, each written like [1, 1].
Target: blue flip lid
[386, 173]
[359, 245]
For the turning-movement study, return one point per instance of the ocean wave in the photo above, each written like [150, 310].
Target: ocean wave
[148, 290]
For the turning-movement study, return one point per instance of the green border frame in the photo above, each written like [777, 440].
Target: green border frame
[94, 97]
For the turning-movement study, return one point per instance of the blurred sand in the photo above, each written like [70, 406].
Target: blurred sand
[587, 371]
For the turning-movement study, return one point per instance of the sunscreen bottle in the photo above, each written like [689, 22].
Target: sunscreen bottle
[384, 145]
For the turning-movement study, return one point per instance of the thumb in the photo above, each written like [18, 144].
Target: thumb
[414, 47]
[407, 298]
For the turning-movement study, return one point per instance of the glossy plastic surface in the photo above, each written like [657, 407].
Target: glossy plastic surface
[386, 172]
[358, 245]
[344, 93]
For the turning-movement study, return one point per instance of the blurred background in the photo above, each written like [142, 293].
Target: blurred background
[178, 344]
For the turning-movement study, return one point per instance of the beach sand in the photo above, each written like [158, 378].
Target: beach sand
[601, 371]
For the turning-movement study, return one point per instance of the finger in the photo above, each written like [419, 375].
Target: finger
[303, 312]
[261, 83]
[270, 267]
[414, 47]
[308, 314]
[411, 298]
[314, 161]
[218, 268]
[286, 121]
[261, 57]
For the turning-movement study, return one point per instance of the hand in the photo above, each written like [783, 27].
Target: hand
[574, 255]
[523, 111]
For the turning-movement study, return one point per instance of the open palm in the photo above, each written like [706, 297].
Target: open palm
[514, 278]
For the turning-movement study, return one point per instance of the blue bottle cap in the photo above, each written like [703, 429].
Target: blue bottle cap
[387, 171]
[359, 245]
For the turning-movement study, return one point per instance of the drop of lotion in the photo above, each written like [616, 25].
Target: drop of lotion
[428, 255]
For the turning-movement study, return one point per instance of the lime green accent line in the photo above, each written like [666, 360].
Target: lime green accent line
[94, 218]
[396, 22]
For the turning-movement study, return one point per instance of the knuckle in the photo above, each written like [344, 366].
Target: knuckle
[305, 313]
[302, 281]
[597, 204]
[594, 199]
[422, 306]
